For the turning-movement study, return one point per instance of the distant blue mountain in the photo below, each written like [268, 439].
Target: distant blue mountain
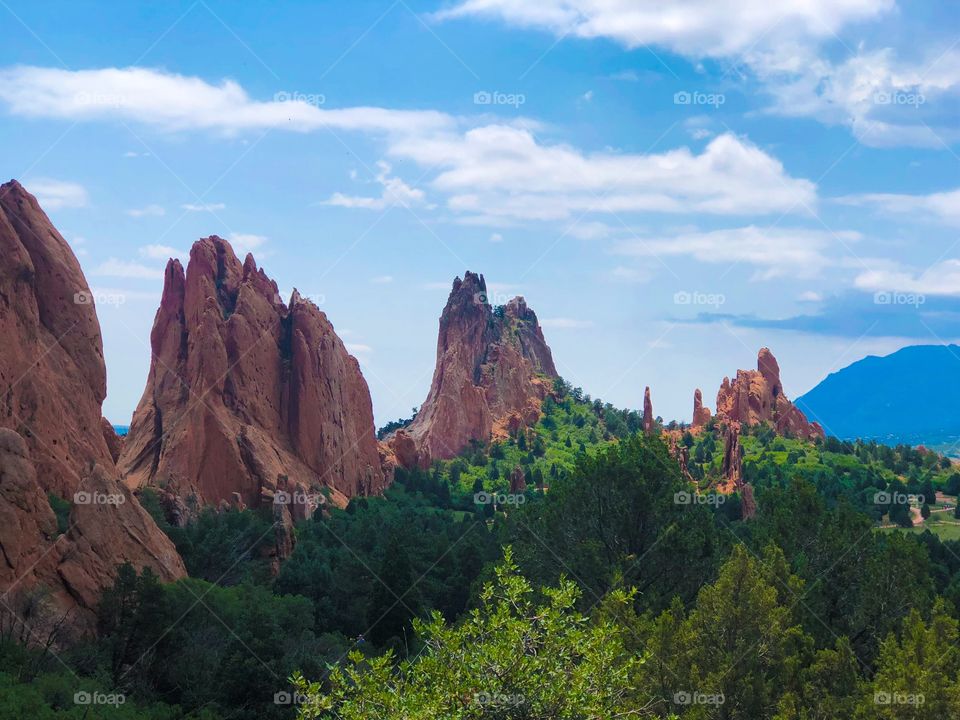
[911, 396]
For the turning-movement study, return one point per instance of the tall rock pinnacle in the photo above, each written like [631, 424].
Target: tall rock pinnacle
[493, 370]
[647, 411]
[701, 414]
[244, 391]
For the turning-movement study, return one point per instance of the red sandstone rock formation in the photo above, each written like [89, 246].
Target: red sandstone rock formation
[53, 438]
[493, 370]
[701, 414]
[518, 480]
[244, 389]
[647, 411]
[732, 467]
[756, 396]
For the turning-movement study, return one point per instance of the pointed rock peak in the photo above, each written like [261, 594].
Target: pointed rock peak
[701, 414]
[13, 188]
[173, 274]
[768, 366]
[471, 284]
[647, 411]
[249, 265]
[489, 378]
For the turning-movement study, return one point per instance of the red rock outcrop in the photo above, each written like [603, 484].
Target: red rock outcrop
[244, 389]
[52, 434]
[493, 370]
[647, 411]
[518, 480]
[701, 413]
[756, 396]
[732, 467]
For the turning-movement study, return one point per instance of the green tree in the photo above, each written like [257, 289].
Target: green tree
[917, 674]
[513, 657]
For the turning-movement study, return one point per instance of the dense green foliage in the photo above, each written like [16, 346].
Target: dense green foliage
[625, 592]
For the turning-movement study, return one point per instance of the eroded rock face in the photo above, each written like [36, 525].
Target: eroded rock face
[51, 359]
[244, 389]
[493, 370]
[756, 396]
[52, 437]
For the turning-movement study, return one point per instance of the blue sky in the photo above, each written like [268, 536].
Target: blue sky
[669, 190]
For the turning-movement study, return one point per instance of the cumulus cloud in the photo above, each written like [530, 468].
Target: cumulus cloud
[203, 207]
[941, 207]
[493, 174]
[56, 194]
[177, 102]
[501, 172]
[774, 251]
[127, 269]
[698, 28]
[885, 100]
[395, 192]
[159, 252]
[886, 97]
[942, 278]
[244, 243]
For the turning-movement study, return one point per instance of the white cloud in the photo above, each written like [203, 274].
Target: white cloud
[885, 100]
[243, 243]
[565, 323]
[497, 174]
[943, 207]
[589, 230]
[785, 46]
[382, 279]
[358, 348]
[147, 211]
[178, 102]
[127, 269]
[810, 296]
[496, 237]
[587, 96]
[203, 207]
[56, 194]
[940, 279]
[630, 275]
[696, 28]
[395, 192]
[160, 252]
[500, 172]
[774, 251]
